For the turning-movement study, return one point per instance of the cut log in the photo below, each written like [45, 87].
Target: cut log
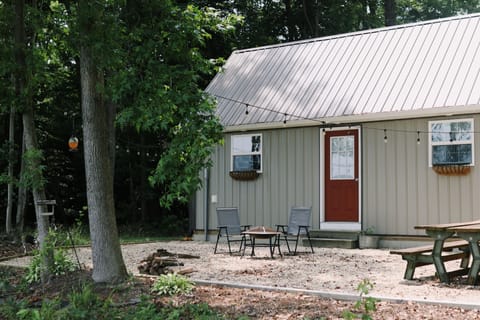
[160, 262]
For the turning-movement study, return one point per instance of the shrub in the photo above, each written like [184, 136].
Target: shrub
[61, 263]
[172, 284]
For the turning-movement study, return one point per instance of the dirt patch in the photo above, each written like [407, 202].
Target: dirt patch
[328, 270]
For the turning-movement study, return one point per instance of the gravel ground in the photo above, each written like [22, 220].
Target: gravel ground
[334, 271]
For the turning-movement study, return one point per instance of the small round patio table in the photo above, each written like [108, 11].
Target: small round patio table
[261, 232]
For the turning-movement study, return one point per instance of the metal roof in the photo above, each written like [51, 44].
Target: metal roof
[411, 70]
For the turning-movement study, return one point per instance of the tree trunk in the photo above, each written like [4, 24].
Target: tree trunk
[390, 12]
[11, 159]
[143, 181]
[22, 196]
[108, 264]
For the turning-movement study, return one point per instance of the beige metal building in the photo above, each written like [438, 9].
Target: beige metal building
[371, 129]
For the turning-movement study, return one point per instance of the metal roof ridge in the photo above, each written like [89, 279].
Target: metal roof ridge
[358, 33]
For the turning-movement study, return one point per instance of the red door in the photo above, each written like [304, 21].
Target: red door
[341, 176]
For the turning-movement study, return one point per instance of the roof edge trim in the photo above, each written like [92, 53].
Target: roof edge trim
[355, 119]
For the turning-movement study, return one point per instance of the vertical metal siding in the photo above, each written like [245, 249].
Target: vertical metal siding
[290, 177]
[401, 190]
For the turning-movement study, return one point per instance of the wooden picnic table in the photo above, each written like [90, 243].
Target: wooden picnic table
[471, 233]
[439, 233]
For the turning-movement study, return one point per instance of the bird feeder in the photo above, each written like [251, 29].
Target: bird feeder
[73, 143]
[46, 207]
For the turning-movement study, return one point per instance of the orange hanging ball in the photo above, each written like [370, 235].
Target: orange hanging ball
[73, 143]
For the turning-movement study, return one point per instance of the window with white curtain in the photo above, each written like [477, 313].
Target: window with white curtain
[247, 152]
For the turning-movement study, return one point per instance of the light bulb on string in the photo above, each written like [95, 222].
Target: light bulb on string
[385, 139]
[324, 132]
[246, 108]
[285, 119]
[418, 137]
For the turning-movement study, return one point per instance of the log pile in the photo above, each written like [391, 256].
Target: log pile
[163, 262]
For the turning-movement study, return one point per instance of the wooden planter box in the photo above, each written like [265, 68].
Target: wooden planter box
[452, 170]
[244, 175]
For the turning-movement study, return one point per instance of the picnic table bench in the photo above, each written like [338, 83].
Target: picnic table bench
[422, 256]
[440, 251]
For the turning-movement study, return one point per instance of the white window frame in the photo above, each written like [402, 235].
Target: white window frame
[431, 143]
[246, 153]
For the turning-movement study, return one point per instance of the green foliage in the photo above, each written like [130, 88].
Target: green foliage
[189, 311]
[33, 176]
[86, 304]
[413, 10]
[161, 89]
[47, 311]
[5, 285]
[61, 262]
[76, 234]
[10, 308]
[365, 305]
[172, 284]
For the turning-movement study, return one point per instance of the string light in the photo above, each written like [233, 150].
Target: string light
[246, 108]
[385, 139]
[418, 137]
[285, 119]
[323, 122]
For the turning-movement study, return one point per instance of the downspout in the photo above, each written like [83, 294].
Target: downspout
[205, 201]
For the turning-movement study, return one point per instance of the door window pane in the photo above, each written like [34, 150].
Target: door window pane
[342, 158]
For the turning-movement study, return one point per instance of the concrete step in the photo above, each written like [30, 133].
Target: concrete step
[332, 243]
[353, 235]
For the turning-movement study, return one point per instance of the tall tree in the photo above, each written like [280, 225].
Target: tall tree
[33, 156]
[98, 130]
